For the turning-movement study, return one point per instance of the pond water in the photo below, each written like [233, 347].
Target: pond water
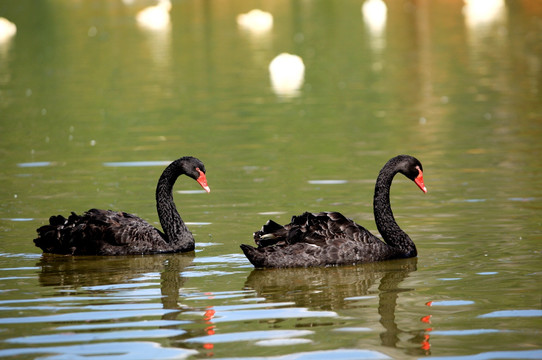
[93, 105]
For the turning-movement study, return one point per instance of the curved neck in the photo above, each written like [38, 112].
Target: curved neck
[385, 221]
[174, 227]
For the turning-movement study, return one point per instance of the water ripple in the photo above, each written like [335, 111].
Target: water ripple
[85, 316]
[248, 336]
[353, 329]
[137, 350]
[94, 336]
[194, 274]
[24, 256]
[283, 342]
[342, 354]
[327, 182]
[226, 258]
[262, 314]
[363, 297]
[450, 303]
[136, 163]
[251, 306]
[512, 313]
[189, 192]
[117, 286]
[465, 332]
[63, 299]
[492, 355]
[35, 164]
[18, 219]
[217, 295]
[145, 323]
[20, 268]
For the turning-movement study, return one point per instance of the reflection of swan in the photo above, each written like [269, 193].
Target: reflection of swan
[155, 17]
[106, 232]
[95, 272]
[337, 288]
[86, 271]
[7, 29]
[328, 287]
[256, 21]
[287, 74]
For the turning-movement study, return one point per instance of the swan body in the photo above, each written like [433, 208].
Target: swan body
[329, 238]
[106, 232]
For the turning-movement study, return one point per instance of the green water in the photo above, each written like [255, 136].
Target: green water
[83, 85]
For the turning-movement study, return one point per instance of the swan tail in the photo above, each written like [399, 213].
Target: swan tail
[256, 257]
[71, 235]
[52, 237]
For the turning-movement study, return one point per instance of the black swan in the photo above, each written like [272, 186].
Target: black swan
[329, 238]
[106, 232]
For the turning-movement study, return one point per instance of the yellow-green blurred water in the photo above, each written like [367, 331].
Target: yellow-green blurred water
[456, 84]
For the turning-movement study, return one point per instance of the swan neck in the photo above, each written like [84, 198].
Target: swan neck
[392, 234]
[173, 225]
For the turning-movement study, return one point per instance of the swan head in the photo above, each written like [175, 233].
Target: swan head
[412, 168]
[194, 168]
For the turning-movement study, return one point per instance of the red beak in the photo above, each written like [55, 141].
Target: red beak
[202, 180]
[419, 180]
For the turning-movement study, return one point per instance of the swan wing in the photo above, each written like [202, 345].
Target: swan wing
[320, 229]
[314, 239]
